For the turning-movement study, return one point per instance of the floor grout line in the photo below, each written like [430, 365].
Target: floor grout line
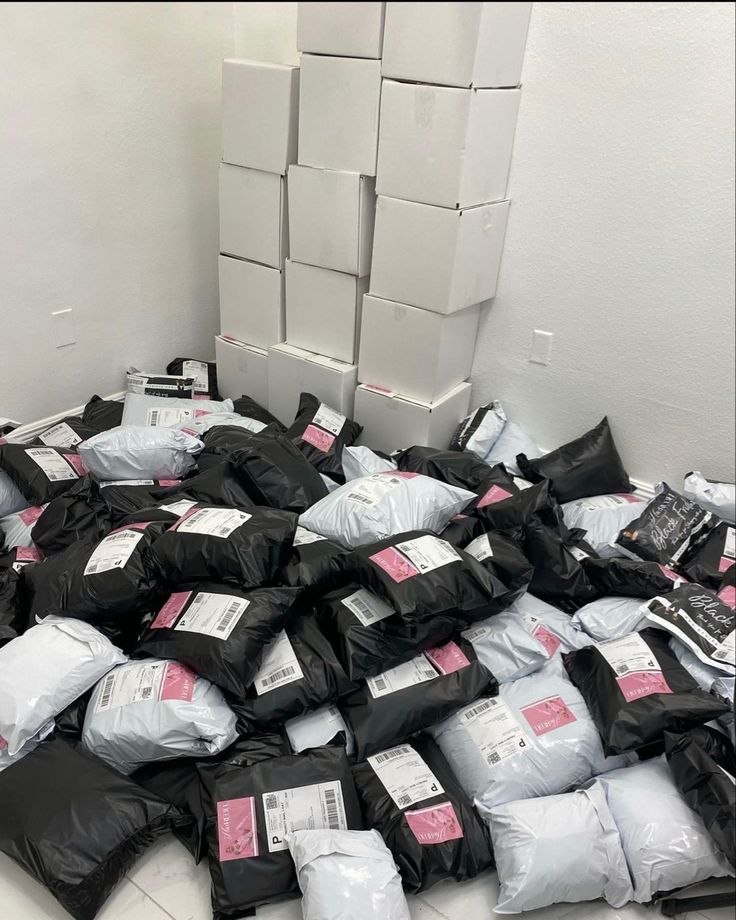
[432, 907]
[148, 895]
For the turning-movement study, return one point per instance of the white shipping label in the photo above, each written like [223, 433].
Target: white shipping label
[726, 650]
[127, 482]
[406, 777]
[630, 653]
[367, 608]
[61, 435]
[371, 489]
[316, 807]
[124, 686]
[214, 615]
[428, 552]
[409, 674]
[494, 730]
[113, 552]
[729, 546]
[52, 463]
[180, 507]
[279, 666]
[304, 536]
[476, 633]
[329, 419]
[216, 522]
[577, 553]
[200, 372]
[480, 548]
[165, 418]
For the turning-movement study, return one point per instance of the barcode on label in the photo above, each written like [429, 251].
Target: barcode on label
[493, 758]
[154, 416]
[404, 800]
[278, 675]
[363, 608]
[271, 801]
[389, 755]
[106, 692]
[379, 683]
[146, 693]
[477, 710]
[227, 617]
[623, 668]
[357, 497]
[333, 818]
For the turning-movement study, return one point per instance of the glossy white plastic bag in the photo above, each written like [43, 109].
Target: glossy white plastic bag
[140, 452]
[362, 461]
[602, 517]
[610, 617]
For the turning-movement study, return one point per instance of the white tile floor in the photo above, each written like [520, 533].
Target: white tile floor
[166, 885]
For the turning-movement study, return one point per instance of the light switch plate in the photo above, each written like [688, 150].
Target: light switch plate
[64, 332]
[541, 347]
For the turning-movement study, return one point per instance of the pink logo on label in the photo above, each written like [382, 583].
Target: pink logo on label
[30, 515]
[725, 564]
[550, 642]
[193, 433]
[237, 833]
[628, 497]
[164, 483]
[728, 595]
[76, 461]
[200, 413]
[394, 564]
[402, 474]
[171, 610]
[447, 658]
[435, 824]
[178, 683]
[670, 573]
[639, 684]
[493, 495]
[318, 438]
[547, 715]
[207, 395]
[4, 441]
[28, 554]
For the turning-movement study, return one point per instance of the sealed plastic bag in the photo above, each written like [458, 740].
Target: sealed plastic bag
[12, 499]
[708, 561]
[86, 827]
[602, 517]
[250, 812]
[15, 529]
[322, 433]
[496, 486]
[175, 386]
[199, 426]
[480, 430]
[636, 690]
[666, 843]
[320, 726]
[460, 468]
[717, 497]
[40, 473]
[249, 408]
[347, 874]
[155, 710]
[315, 562]
[378, 506]
[512, 441]
[222, 441]
[140, 452]
[610, 617]
[502, 558]
[103, 413]
[362, 461]
[631, 577]
[401, 701]
[167, 411]
[44, 670]
[411, 798]
[69, 432]
[218, 632]
[203, 372]
[562, 848]
[557, 555]
[12, 619]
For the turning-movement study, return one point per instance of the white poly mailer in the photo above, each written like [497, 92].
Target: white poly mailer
[717, 497]
[362, 461]
[140, 452]
[165, 412]
[610, 617]
[512, 441]
[602, 517]
[318, 727]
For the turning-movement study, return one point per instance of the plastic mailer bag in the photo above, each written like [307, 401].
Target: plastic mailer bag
[155, 710]
[233, 545]
[411, 798]
[522, 638]
[397, 703]
[20, 557]
[631, 577]
[44, 670]
[222, 441]
[602, 517]
[220, 484]
[165, 412]
[636, 690]
[589, 465]
[666, 529]
[250, 813]
[496, 486]
[362, 461]
[480, 430]
[69, 432]
[203, 372]
[460, 468]
[512, 441]
[666, 843]
[298, 672]
[535, 738]
[703, 767]
[704, 675]
[510, 513]
[347, 874]
[165, 385]
[610, 618]
[322, 433]
[40, 473]
[502, 558]
[318, 727]
[81, 513]
[140, 452]
[707, 562]
[204, 422]
[12, 619]
[716, 497]
[562, 848]
[218, 632]
[12, 499]
[86, 826]
[102, 413]
[315, 562]
[15, 529]
[249, 408]
[556, 555]
[7, 760]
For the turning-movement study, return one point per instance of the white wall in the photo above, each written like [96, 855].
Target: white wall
[109, 145]
[266, 32]
[621, 236]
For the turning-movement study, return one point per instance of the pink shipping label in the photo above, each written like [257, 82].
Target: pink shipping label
[435, 824]
[137, 526]
[171, 610]
[550, 642]
[401, 474]
[28, 554]
[670, 573]
[169, 482]
[76, 461]
[628, 497]
[200, 413]
[30, 515]
[725, 564]
[547, 715]
[639, 684]
[187, 514]
[192, 432]
[447, 658]
[493, 495]
[728, 595]
[318, 438]
[394, 564]
[237, 832]
[178, 683]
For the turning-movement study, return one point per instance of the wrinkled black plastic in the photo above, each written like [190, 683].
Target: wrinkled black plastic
[460, 468]
[28, 476]
[11, 611]
[317, 566]
[707, 562]
[80, 514]
[320, 446]
[177, 367]
[82, 429]
[559, 577]
[103, 414]
[629, 577]
[221, 442]
[219, 484]
[248, 407]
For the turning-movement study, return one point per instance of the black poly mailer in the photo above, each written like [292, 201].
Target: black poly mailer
[321, 432]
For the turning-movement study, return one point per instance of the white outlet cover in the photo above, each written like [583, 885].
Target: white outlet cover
[64, 332]
[541, 347]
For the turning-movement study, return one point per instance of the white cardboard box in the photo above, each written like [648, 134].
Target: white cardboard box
[242, 370]
[445, 145]
[253, 220]
[260, 114]
[344, 29]
[437, 258]
[251, 302]
[323, 310]
[417, 353]
[456, 44]
[391, 422]
[339, 99]
[293, 370]
[331, 217]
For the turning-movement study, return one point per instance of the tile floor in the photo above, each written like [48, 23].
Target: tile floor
[166, 885]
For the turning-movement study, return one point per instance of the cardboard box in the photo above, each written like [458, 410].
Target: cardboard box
[251, 302]
[344, 29]
[339, 99]
[331, 217]
[292, 371]
[444, 145]
[242, 370]
[260, 114]
[253, 222]
[436, 258]
[456, 44]
[391, 422]
[323, 310]
[417, 353]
